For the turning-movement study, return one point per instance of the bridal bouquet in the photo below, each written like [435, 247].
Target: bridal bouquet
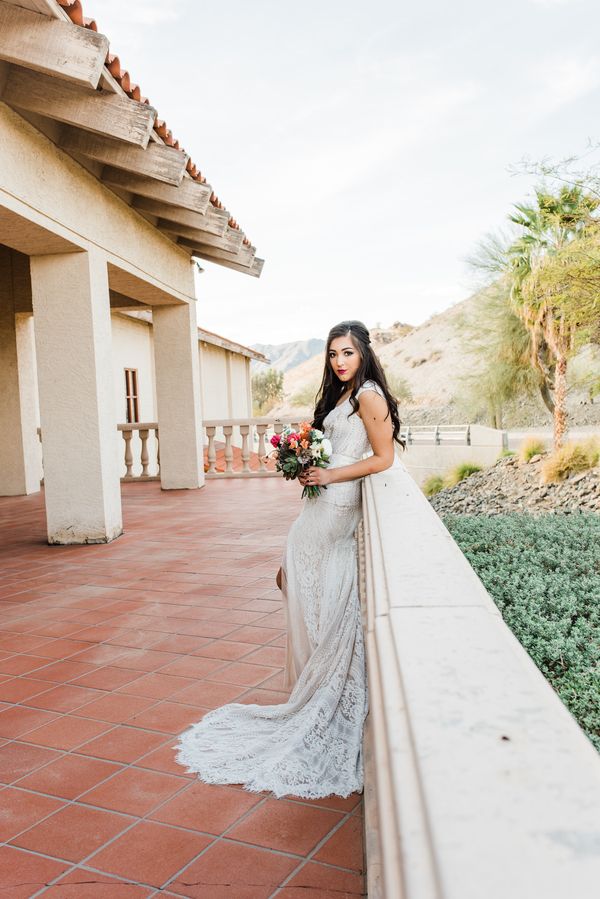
[295, 451]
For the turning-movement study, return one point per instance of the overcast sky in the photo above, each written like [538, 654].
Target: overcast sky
[363, 147]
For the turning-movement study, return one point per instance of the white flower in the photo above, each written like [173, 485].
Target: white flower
[317, 433]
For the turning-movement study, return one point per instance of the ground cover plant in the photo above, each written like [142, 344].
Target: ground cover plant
[543, 573]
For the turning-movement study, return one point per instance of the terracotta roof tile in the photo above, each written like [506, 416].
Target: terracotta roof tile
[74, 10]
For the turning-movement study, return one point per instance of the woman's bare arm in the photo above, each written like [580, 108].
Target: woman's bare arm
[378, 424]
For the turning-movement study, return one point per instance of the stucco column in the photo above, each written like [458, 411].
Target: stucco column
[20, 468]
[178, 396]
[249, 411]
[79, 436]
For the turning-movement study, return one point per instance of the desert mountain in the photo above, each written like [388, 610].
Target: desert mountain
[425, 365]
[427, 359]
[284, 356]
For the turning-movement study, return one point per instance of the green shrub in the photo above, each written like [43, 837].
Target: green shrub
[543, 573]
[399, 387]
[505, 453]
[460, 472]
[570, 459]
[305, 397]
[433, 485]
[531, 446]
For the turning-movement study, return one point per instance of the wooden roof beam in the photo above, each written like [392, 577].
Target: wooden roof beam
[51, 46]
[213, 221]
[188, 194]
[254, 269]
[243, 256]
[230, 242]
[157, 161]
[101, 112]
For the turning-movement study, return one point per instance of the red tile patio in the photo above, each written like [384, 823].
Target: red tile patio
[106, 654]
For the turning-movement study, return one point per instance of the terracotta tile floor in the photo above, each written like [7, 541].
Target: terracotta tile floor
[106, 654]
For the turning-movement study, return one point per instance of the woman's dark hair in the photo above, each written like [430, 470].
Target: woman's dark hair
[370, 369]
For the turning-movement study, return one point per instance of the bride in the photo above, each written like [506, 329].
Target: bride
[311, 745]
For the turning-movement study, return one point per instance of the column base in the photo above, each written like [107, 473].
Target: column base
[68, 538]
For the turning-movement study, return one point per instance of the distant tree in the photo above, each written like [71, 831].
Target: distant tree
[549, 226]
[500, 347]
[555, 224]
[267, 389]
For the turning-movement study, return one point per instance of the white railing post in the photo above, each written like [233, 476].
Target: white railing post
[127, 435]
[145, 459]
[227, 432]
[212, 453]
[262, 450]
[245, 431]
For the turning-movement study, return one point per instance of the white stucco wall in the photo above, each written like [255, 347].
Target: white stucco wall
[239, 393]
[132, 348]
[213, 377]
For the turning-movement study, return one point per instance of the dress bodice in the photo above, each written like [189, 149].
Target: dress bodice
[347, 432]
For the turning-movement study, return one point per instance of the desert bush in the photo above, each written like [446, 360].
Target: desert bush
[531, 446]
[570, 459]
[460, 472]
[543, 573]
[505, 453]
[399, 387]
[433, 485]
[305, 397]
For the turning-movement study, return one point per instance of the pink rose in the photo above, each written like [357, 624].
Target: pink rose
[276, 439]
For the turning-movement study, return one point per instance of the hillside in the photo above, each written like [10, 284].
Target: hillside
[284, 356]
[430, 360]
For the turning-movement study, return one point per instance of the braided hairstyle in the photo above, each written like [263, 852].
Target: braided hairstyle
[370, 369]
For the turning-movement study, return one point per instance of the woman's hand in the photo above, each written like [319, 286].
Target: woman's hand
[315, 477]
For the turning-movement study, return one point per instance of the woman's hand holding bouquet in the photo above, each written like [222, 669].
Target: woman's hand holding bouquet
[297, 451]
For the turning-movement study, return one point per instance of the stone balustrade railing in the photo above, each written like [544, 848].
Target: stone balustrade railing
[235, 448]
[478, 781]
[148, 462]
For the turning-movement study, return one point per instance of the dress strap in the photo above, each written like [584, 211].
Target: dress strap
[370, 385]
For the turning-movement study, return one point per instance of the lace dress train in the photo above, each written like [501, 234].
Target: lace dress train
[311, 745]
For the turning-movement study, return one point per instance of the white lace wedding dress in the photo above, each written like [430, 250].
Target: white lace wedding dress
[310, 746]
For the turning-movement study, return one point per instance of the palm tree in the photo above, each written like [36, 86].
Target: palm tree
[548, 226]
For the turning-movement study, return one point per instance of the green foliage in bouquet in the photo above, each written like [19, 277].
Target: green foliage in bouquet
[543, 573]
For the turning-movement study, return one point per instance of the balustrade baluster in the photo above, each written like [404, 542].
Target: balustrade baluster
[227, 432]
[245, 431]
[262, 450]
[212, 453]
[144, 454]
[127, 435]
[157, 451]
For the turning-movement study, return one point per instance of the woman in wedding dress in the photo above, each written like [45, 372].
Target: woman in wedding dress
[311, 745]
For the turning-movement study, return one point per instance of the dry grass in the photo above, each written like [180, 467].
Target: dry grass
[531, 446]
[433, 485]
[572, 458]
[460, 472]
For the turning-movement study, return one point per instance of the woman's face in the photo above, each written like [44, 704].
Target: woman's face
[344, 358]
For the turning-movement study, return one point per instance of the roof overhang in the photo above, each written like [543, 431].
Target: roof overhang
[57, 72]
